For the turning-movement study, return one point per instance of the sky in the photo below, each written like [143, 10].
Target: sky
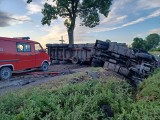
[127, 19]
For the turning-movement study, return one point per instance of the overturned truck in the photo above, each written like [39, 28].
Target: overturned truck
[134, 64]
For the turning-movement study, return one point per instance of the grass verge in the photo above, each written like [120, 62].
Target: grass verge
[81, 101]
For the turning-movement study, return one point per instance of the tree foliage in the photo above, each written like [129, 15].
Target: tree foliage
[151, 42]
[139, 43]
[87, 10]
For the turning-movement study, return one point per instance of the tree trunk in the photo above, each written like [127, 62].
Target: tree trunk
[71, 36]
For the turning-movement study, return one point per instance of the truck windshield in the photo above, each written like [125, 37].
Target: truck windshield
[38, 48]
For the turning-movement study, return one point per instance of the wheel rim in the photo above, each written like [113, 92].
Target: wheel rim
[45, 67]
[75, 60]
[5, 74]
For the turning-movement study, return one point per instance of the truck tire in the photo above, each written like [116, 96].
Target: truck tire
[5, 73]
[44, 66]
[75, 60]
[124, 71]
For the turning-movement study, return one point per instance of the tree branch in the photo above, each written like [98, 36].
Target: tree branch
[69, 11]
[76, 5]
[66, 14]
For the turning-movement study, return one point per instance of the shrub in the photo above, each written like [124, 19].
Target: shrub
[79, 101]
[82, 101]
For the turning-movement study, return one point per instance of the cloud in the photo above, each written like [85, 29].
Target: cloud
[117, 13]
[34, 8]
[49, 2]
[123, 13]
[156, 30]
[114, 19]
[5, 19]
[140, 35]
[152, 15]
[148, 4]
[21, 18]
[9, 19]
[118, 6]
[54, 33]
[123, 10]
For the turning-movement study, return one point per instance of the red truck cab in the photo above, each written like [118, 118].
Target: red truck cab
[18, 54]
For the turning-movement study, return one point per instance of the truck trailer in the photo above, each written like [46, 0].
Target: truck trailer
[63, 53]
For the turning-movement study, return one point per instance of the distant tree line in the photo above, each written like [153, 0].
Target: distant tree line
[151, 42]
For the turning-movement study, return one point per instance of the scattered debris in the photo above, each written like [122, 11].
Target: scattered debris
[94, 75]
[38, 74]
[34, 77]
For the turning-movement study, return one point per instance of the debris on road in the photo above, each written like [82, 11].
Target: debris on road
[28, 78]
[44, 73]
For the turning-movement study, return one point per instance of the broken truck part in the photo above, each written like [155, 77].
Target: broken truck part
[132, 63]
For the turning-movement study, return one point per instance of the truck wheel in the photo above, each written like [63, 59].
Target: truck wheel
[44, 66]
[5, 73]
[75, 60]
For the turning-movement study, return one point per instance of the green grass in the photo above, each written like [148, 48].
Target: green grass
[81, 101]
[146, 105]
[155, 52]
[76, 102]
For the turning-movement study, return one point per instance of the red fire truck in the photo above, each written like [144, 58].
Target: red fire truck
[18, 54]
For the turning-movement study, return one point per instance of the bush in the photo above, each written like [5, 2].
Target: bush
[79, 101]
[82, 101]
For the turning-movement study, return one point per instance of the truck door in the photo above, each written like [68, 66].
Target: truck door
[40, 54]
[25, 56]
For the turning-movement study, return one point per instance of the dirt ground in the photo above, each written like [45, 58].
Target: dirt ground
[35, 78]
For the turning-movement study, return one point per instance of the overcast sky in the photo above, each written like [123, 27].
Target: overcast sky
[127, 19]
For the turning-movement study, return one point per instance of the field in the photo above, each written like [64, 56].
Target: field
[79, 97]
[155, 52]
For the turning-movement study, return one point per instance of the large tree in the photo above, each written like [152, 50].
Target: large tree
[152, 40]
[87, 10]
[139, 43]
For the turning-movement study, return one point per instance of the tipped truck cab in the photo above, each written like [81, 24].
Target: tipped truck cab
[18, 54]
